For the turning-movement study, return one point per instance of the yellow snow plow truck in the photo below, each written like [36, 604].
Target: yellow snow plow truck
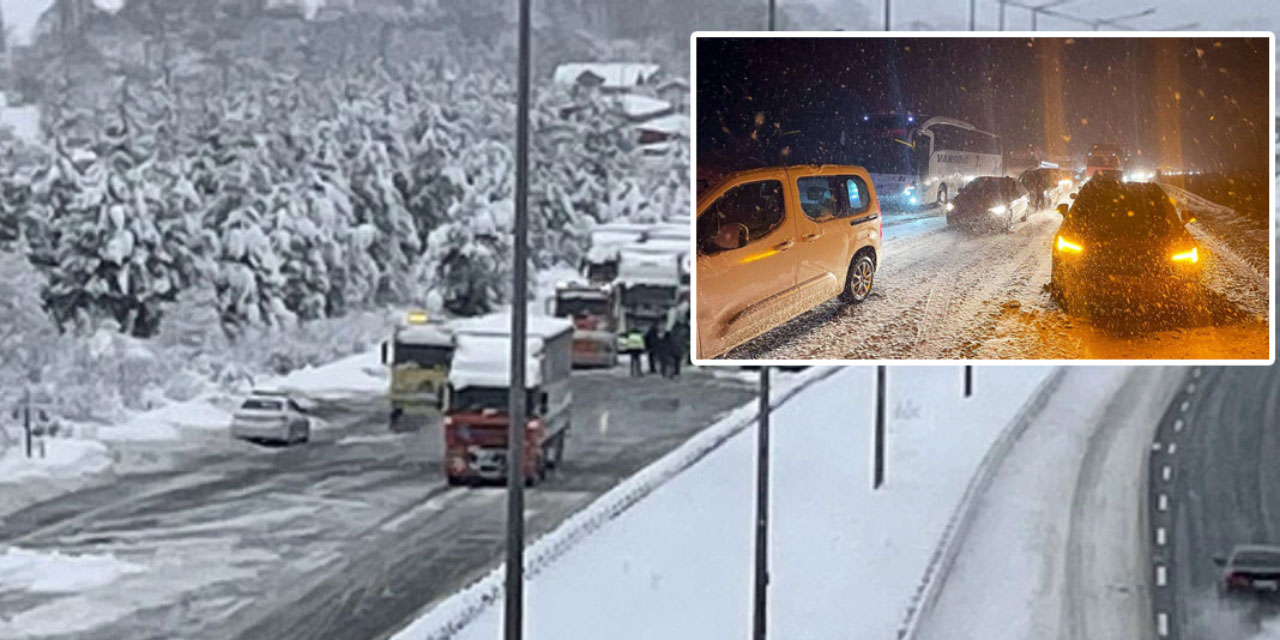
[418, 356]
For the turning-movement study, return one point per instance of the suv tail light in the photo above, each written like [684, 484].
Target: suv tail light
[1237, 580]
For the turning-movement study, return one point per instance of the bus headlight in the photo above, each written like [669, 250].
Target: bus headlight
[1187, 256]
[998, 210]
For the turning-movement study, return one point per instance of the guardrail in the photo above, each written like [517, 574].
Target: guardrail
[953, 536]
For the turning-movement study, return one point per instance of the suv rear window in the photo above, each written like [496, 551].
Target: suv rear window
[1258, 559]
[1110, 209]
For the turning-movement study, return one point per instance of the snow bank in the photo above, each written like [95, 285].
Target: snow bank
[53, 572]
[360, 374]
[63, 458]
[625, 560]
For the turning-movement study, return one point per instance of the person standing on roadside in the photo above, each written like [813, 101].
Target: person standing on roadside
[635, 347]
[651, 345]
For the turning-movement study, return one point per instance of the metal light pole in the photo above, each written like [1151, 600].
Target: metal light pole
[1043, 8]
[877, 474]
[888, 22]
[1002, 4]
[760, 588]
[973, 15]
[514, 595]
[772, 16]
[968, 380]
[761, 592]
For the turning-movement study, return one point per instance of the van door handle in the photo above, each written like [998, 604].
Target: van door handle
[811, 237]
[783, 246]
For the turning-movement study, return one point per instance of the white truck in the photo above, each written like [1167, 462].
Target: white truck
[654, 276]
[477, 396]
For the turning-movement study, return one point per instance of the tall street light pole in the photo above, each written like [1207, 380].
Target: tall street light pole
[759, 628]
[973, 15]
[514, 594]
[1037, 10]
[888, 21]
[1002, 3]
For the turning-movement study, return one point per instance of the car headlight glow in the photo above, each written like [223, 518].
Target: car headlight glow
[951, 207]
[1068, 246]
[1187, 256]
[998, 210]
[914, 200]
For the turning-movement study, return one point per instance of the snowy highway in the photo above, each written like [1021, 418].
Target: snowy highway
[943, 293]
[346, 537]
[1222, 489]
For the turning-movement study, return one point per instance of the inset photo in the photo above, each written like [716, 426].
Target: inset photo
[1026, 196]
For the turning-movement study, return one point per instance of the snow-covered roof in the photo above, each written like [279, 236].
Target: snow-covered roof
[638, 267]
[612, 75]
[425, 334]
[674, 124]
[665, 246]
[669, 232]
[499, 324]
[636, 106]
[622, 227]
[602, 253]
[485, 361]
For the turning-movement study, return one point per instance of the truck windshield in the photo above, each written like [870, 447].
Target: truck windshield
[422, 355]
[569, 306]
[602, 271]
[477, 399]
[644, 294]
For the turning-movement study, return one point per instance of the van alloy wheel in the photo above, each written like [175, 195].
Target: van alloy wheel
[861, 276]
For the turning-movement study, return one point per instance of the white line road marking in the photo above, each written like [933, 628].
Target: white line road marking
[1164, 502]
[1160, 536]
[1162, 624]
[1186, 404]
[1173, 448]
[1162, 576]
[604, 422]
[1166, 473]
[1195, 372]
[1156, 446]
[1177, 424]
[1191, 388]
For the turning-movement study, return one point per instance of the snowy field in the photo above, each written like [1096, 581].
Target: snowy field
[691, 540]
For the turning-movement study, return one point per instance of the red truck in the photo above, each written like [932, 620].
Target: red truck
[476, 398]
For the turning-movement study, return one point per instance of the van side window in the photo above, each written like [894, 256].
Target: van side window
[829, 197]
[740, 216]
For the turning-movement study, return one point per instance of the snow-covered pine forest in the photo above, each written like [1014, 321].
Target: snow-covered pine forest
[204, 222]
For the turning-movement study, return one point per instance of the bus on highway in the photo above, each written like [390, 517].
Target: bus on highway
[915, 160]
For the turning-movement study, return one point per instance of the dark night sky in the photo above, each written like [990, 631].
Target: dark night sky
[1204, 99]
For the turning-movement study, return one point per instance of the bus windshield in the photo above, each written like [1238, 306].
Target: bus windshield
[573, 305]
[422, 355]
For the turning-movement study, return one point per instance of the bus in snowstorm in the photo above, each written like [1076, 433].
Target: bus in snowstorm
[1104, 158]
[916, 160]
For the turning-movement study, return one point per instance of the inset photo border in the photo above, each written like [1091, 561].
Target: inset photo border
[927, 198]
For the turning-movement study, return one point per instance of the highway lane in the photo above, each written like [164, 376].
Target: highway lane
[343, 538]
[1220, 441]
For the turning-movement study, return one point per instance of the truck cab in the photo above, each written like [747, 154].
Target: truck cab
[596, 313]
[601, 263]
[417, 355]
[476, 400]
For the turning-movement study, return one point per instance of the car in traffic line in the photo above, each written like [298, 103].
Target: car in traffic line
[774, 243]
[989, 201]
[1250, 568]
[1122, 243]
[270, 416]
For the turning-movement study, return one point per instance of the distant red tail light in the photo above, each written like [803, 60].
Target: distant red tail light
[1237, 580]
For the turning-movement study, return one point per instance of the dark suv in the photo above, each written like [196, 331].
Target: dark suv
[1122, 242]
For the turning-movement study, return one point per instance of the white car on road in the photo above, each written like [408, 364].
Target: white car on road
[270, 417]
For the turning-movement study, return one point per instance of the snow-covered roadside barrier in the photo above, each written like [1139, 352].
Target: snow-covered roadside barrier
[450, 616]
[949, 545]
